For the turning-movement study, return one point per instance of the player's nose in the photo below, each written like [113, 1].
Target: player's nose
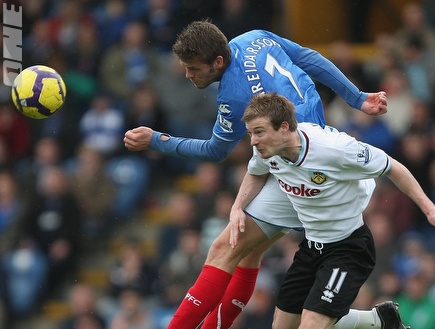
[189, 74]
[253, 141]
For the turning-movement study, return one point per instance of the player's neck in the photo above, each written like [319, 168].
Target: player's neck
[293, 148]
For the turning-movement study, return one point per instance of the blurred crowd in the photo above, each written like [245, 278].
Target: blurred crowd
[67, 183]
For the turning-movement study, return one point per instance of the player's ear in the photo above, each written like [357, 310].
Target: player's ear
[219, 62]
[285, 126]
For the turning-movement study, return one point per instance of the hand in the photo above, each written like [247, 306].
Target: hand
[375, 103]
[138, 139]
[237, 224]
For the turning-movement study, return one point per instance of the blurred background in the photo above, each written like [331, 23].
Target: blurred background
[93, 236]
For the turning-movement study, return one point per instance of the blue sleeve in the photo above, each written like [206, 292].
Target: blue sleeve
[323, 70]
[213, 150]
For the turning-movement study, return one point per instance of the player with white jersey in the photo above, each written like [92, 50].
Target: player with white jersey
[252, 63]
[328, 177]
[317, 177]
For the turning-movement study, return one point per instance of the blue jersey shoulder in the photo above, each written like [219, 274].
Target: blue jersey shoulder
[263, 62]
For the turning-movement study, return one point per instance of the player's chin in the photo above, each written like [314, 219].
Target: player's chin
[263, 154]
[199, 84]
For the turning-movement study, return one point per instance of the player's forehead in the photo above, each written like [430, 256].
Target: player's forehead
[193, 63]
[258, 123]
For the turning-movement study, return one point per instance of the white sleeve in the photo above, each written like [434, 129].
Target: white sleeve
[361, 161]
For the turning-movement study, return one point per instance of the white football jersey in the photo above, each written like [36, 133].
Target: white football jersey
[331, 182]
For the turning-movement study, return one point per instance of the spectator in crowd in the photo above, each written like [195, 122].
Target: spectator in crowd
[133, 270]
[207, 180]
[163, 311]
[65, 24]
[181, 215]
[82, 301]
[102, 126]
[53, 224]
[386, 246]
[416, 304]
[159, 19]
[94, 192]
[46, 153]
[14, 131]
[185, 262]
[388, 284]
[414, 153]
[132, 312]
[131, 176]
[25, 271]
[406, 260]
[38, 45]
[128, 63]
[418, 66]
[144, 107]
[111, 19]
[396, 85]
[13, 208]
[404, 211]
[413, 24]
[422, 118]
[85, 57]
[384, 60]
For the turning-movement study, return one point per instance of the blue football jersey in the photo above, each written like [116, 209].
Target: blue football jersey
[264, 62]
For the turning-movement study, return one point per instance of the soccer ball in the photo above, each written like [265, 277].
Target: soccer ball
[38, 92]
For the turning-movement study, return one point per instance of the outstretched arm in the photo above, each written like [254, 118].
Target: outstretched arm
[249, 188]
[213, 149]
[406, 182]
[323, 70]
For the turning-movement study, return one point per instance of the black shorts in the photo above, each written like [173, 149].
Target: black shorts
[325, 278]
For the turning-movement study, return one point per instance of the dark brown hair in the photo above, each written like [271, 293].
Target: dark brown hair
[202, 40]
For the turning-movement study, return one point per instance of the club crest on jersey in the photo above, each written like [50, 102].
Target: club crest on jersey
[363, 154]
[273, 165]
[225, 124]
[318, 177]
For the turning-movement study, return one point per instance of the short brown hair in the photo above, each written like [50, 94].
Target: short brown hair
[275, 107]
[202, 40]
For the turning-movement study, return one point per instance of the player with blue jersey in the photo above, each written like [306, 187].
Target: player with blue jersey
[252, 63]
[328, 178]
